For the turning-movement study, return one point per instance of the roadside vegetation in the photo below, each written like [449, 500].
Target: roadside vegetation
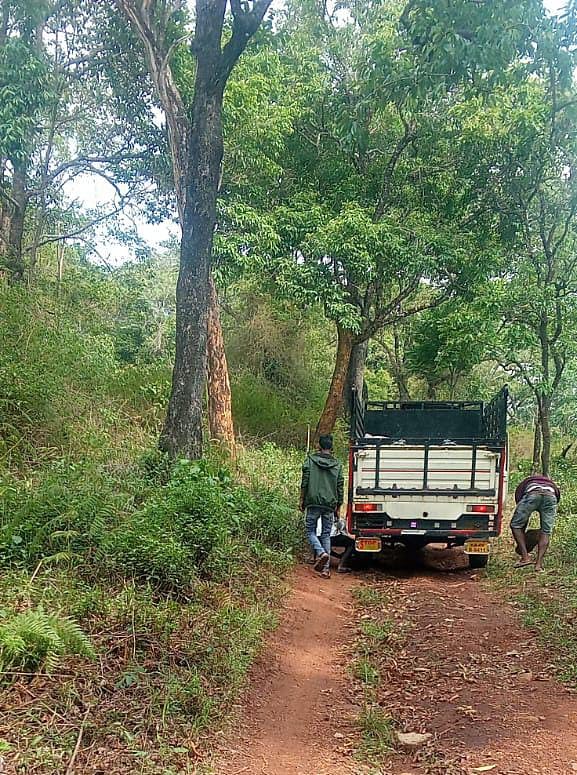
[135, 591]
[407, 222]
[546, 602]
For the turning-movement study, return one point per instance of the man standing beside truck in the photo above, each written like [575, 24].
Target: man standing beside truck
[322, 489]
[541, 494]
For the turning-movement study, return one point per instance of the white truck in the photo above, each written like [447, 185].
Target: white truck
[424, 472]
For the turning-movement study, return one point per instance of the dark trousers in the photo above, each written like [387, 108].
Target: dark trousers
[342, 541]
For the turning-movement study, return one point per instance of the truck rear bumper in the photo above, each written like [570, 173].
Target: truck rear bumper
[431, 535]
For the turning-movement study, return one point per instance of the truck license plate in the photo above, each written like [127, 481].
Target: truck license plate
[368, 544]
[477, 547]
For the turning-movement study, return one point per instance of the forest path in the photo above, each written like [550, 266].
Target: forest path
[299, 693]
[467, 672]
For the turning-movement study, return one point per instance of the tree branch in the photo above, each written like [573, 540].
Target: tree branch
[139, 16]
[244, 26]
[403, 143]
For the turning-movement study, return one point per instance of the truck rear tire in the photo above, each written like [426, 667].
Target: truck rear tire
[478, 560]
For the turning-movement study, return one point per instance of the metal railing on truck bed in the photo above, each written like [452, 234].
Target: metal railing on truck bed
[418, 422]
[469, 426]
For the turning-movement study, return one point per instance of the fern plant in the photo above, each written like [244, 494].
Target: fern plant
[35, 640]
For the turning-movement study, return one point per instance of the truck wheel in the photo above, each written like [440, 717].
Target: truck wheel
[478, 560]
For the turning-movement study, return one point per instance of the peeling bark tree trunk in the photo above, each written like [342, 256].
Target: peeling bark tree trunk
[220, 420]
[334, 402]
[356, 372]
[196, 145]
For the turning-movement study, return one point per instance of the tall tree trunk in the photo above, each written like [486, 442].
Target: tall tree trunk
[196, 145]
[220, 420]
[182, 432]
[545, 417]
[537, 438]
[334, 402]
[356, 372]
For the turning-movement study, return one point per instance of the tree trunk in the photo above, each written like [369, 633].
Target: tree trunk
[545, 416]
[356, 372]
[431, 391]
[182, 433]
[14, 259]
[403, 389]
[334, 402]
[196, 145]
[4, 228]
[220, 421]
[396, 366]
[537, 437]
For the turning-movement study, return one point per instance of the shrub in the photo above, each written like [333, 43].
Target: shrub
[44, 363]
[201, 524]
[35, 639]
[69, 508]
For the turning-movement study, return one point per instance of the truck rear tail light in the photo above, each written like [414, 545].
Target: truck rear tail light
[482, 508]
[366, 507]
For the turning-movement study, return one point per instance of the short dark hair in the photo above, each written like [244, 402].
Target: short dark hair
[326, 442]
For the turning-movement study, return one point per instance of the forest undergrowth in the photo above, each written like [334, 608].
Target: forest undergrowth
[134, 592]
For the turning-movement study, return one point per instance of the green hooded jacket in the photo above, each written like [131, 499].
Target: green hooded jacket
[322, 482]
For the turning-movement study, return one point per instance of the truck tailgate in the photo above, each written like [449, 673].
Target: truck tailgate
[451, 470]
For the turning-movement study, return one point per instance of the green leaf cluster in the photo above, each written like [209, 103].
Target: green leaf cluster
[35, 640]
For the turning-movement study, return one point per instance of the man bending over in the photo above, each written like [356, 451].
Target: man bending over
[541, 494]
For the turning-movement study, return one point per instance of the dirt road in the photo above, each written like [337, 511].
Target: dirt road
[299, 694]
[467, 672]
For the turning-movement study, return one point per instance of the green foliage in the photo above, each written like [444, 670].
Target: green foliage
[547, 602]
[263, 412]
[201, 525]
[35, 640]
[361, 216]
[220, 663]
[369, 596]
[448, 342]
[280, 362]
[378, 640]
[23, 93]
[44, 362]
[67, 511]
[366, 672]
[457, 42]
[377, 732]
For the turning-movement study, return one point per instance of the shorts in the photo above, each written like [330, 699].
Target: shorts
[546, 505]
